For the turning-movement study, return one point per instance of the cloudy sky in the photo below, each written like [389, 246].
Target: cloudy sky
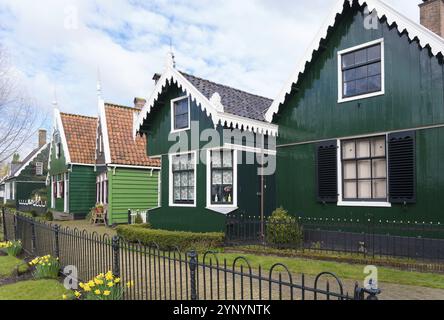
[250, 44]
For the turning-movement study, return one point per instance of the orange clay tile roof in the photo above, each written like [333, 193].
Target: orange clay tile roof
[80, 132]
[123, 148]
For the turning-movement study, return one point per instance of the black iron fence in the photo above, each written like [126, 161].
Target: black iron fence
[370, 238]
[171, 274]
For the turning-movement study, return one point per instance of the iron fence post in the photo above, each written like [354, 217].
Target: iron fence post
[33, 237]
[193, 266]
[15, 226]
[129, 216]
[56, 241]
[116, 256]
[5, 235]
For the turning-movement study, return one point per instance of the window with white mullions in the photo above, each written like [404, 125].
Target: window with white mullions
[364, 169]
[222, 177]
[183, 179]
[181, 116]
[362, 71]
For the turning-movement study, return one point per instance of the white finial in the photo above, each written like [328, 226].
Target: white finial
[99, 85]
[55, 103]
[170, 62]
[216, 101]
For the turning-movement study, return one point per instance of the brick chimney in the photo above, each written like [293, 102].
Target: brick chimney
[42, 137]
[139, 103]
[432, 15]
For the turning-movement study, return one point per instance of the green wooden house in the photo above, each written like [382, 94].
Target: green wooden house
[26, 179]
[72, 176]
[126, 178]
[211, 140]
[361, 122]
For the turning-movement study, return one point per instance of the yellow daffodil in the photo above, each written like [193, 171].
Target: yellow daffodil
[98, 281]
[106, 293]
[86, 288]
[117, 280]
[110, 284]
[129, 284]
[91, 284]
[77, 294]
[64, 297]
[81, 285]
[97, 292]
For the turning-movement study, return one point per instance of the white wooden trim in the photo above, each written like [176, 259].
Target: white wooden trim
[66, 192]
[133, 167]
[170, 178]
[172, 76]
[173, 130]
[341, 99]
[414, 30]
[62, 136]
[222, 208]
[104, 127]
[30, 160]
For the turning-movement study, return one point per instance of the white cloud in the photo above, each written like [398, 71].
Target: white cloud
[252, 45]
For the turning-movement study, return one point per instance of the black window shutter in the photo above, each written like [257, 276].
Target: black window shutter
[402, 167]
[327, 171]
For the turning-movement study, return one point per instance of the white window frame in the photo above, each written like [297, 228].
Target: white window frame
[221, 208]
[39, 165]
[370, 204]
[65, 192]
[171, 182]
[173, 129]
[341, 99]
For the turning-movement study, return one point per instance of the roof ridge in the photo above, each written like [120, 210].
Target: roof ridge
[77, 115]
[118, 105]
[226, 86]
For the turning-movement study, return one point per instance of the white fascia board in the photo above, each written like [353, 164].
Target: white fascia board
[30, 160]
[171, 75]
[413, 29]
[104, 126]
[59, 124]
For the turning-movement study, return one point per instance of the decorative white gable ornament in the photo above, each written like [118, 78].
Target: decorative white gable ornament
[216, 101]
[169, 61]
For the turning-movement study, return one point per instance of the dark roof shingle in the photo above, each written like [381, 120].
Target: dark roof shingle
[235, 101]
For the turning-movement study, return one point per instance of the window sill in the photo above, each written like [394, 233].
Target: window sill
[364, 204]
[179, 130]
[222, 209]
[182, 205]
[363, 96]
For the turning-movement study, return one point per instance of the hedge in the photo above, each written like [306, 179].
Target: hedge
[169, 240]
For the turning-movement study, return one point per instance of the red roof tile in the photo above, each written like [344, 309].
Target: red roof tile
[126, 150]
[80, 132]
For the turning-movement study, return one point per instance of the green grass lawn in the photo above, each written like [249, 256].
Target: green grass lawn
[33, 290]
[8, 265]
[342, 270]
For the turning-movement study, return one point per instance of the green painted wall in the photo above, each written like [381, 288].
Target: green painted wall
[200, 219]
[82, 190]
[414, 97]
[134, 189]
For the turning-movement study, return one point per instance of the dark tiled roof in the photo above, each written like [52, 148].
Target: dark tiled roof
[16, 167]
[235, 101]
[124, 148]
[80, 132]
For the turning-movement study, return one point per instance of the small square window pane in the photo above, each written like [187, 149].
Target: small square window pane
[176, 179]
[374, 83]
[379, 168]
[364, 169]
[215, 193]
[184, 194]
[350, 88]
[361, 72]
[190, 162]
[374, 69]
[217, 177]
[184, 179]
[374, 53]
[349, 75]
[191, 179]
[350, 190]
[361, 86]
[191, 193]
[181, 106]
[216, 160]
[363, 148]
[228, 159]
[378, 147]
[176, 163]
[348, 60]
[348, 150]
[349, 170]
[361, 56]
[228, 177]
[365, 189]
[181, 121]
[379, 189]
[176, 193]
